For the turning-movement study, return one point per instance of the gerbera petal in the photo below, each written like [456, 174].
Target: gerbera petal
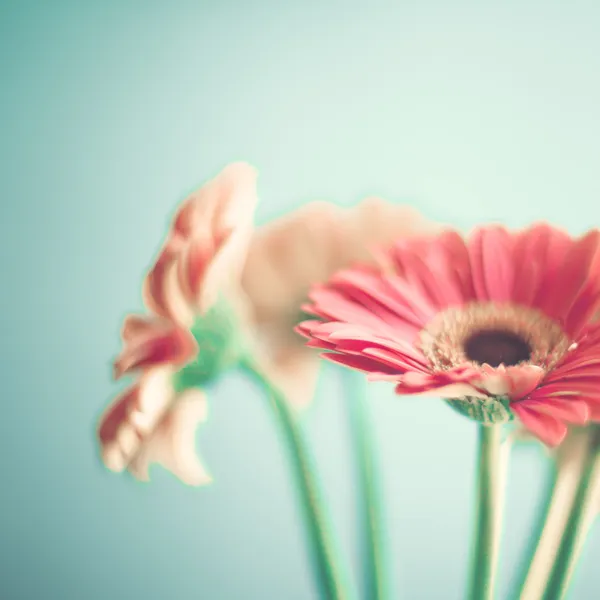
[206, 247]
[586, 306]
[523, 380]
[137, 325]
[150, 423]
[173, 445]
[476, 259]
[193, 262]
[547, 428]
[421, 276]
[360, 363]
[154, 284]
[431, 388]
[402, 362]
[530, 258]
[367, 289]
[132, 415]
[458, 258]
[163, 345]
[294, 370]
[572, 275]
[570, 410]
[494, 264]
[337, 306]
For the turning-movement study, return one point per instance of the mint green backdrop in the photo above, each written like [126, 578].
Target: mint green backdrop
[111, 112]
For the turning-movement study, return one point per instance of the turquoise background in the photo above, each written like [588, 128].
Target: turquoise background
[111, 112]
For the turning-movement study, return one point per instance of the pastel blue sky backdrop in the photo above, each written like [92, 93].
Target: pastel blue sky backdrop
[111, 112]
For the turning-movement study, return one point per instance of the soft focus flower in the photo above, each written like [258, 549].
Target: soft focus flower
[499, 323]
[302, 248]
[189, 338]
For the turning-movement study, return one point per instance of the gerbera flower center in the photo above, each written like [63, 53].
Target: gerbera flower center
[494, 334]
[497, 347]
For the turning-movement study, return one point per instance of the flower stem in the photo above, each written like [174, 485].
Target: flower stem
[373, 559]
[489, 513]
[564, 476]
[583, 512]
[332, 584]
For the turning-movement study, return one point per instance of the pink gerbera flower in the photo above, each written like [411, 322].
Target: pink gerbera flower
[155, 419]
[498, 324]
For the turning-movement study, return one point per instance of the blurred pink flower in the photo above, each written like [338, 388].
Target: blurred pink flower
[154, 421]
[501, 315]
[305, 247]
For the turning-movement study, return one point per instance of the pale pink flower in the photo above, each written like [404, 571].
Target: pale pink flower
[153, 421]
[500, 315]
[305, 247]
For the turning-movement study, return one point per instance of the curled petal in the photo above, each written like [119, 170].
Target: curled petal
[150, 423]
[132, 416]
[154, 287]
[154, 344]
[172, 443]
[515, 382]
[206, 246]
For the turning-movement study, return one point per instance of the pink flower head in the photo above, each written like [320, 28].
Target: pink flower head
[156, 418]
[500, 316]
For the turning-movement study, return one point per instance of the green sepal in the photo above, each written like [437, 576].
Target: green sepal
[220, 347]
[492, 410]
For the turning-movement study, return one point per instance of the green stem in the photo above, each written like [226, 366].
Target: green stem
[563, 479]
[542, 543]
[489, 512]
[331, 583]
[583, 512]
[373, 560]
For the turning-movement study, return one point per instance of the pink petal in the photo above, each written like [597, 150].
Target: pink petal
[478, 266]
[547, 428]
[193, 262]
[585, 307]
[422, 275]
[173, 345]
[154, 284]
[360, 363]
[129, 419]
[341, 308]
[449, 384]
[136, 325]
[368, 290]
[571, 411]
[206, 246]
[148, 423]
[401, 362]
[529, 256]
[173, 443]
[110, 423]
[498, 263]
[523, 380]
[572, 275]
[458, 258]
[594, 408]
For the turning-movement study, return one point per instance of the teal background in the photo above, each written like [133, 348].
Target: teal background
[111, 112]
